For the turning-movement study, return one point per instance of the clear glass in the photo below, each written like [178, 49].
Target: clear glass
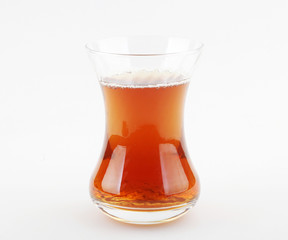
[144, 174]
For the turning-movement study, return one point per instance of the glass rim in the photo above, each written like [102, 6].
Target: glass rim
[190, 50]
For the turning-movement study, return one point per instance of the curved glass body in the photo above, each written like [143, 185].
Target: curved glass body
[144, 174]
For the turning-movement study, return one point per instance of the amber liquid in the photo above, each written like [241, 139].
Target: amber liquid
[144, 162]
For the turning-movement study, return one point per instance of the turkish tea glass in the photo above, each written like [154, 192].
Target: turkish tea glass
[144, 174]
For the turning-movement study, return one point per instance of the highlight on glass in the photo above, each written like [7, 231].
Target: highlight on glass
[144, 174]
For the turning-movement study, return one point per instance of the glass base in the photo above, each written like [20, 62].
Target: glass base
[144, 215]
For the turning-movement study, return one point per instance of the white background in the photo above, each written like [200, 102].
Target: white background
[52, 116]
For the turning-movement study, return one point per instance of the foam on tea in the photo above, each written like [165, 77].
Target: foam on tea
[144, 79]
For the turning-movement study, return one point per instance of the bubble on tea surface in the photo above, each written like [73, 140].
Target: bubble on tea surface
[144, 79]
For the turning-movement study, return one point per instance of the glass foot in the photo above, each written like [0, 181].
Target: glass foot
[144, 215]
